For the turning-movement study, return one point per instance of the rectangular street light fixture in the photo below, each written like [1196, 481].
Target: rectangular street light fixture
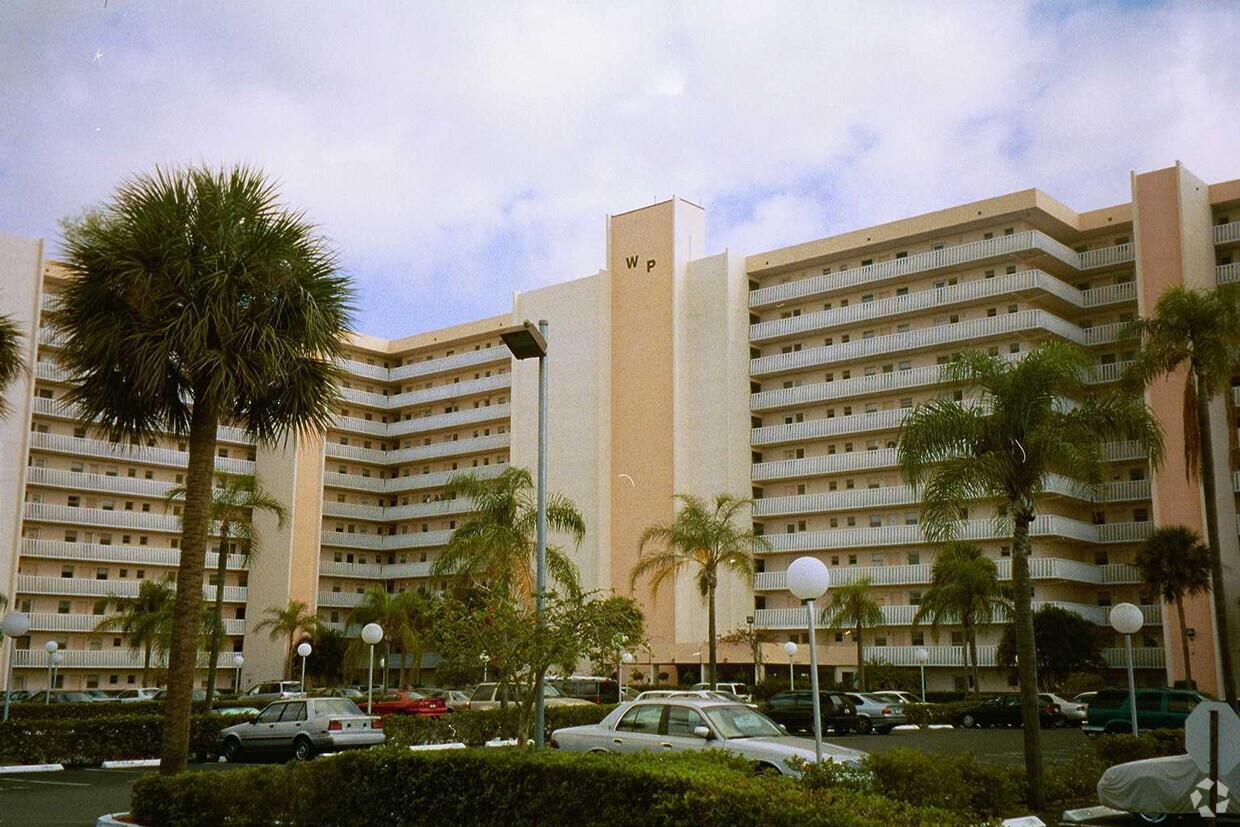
[525, 341]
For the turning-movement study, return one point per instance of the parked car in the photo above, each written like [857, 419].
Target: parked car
[1156, 709]
[100, 696]
[1072, 712]
[652, 694]
[1084, 698]
[302, 728]
[1156, 788]
[59, 696]
[740, 690]
[486, 697]
[236, 710]
[895, 696]
[402, 702]
[16, 695]
[588, 688]
[454, 698]
[794, 709]
[350, 692]
[272, 691]
[682, 724]
[875, 713]
[196, 695]
[137, 694]
[1004, 710]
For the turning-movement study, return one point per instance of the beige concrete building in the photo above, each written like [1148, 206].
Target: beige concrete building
[784, 375]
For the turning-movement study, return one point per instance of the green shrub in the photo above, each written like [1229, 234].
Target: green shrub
[485, 787]
[28, 711]
[955, 782]
[476, 727]
[91, 741]
[943, 713]
[1153, 743]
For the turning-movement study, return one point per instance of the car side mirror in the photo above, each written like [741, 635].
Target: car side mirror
[783, 729]
[702, 732]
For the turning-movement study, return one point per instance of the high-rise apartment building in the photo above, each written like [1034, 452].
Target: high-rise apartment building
[784, 375]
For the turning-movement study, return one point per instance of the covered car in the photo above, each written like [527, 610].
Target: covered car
[1157, 787]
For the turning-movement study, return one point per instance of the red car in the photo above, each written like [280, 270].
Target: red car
[407, 703]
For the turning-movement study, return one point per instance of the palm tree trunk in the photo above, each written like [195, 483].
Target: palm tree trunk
[860, 660]
[187, 610]
[1027, 668]
[1216, 554]
[1188, 666]
[146, 662]
[971, 640]
[221, 568]
[710, 623]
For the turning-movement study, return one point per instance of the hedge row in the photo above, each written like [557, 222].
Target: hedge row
[395, 788]
[476, 727]
[91, 741]
[30, 711]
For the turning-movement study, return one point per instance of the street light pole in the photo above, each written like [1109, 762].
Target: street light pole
[51, 646]
[372, 633]
[525, 342]
[1128, 620]
[791, 649]
[13, 625]
[238, 660]
[304, 650]
[922, 655]
[808, 580]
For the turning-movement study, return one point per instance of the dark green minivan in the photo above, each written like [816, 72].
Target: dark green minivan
[1156, 709]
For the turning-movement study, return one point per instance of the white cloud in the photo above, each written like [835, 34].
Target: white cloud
[456, 152]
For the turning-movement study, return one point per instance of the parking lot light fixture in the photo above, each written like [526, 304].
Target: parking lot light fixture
[372, 633]
[625, 657]
[51, 646]
[486, 662]
[238, 661]
[14, 624]
[57, 658]
[808, 580]
[921, 655]
[791, 648]
[1128, 620]
[304, 650]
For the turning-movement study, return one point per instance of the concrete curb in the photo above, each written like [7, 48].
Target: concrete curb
[112, 820]
[429, 747]
[131, 763]
[33, 768]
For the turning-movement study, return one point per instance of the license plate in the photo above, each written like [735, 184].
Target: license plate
[356, 724]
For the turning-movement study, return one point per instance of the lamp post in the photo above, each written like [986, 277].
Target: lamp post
[529, 342]
[921, 655]
[808, 580]
[625, 657]
[791, 648]
[14, 624]
[372, 633]
[1128, 620]
[486, 661]
[753, 648]
[238, 661]
[304, 650]
[56, 659]
[51, 646]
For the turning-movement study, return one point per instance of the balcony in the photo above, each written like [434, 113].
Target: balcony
[361, 369]
[438, 450]
[1227, 273]
[122, 452]
[63, 410]
[438, 422]
[51, 622]
[85, 587]
[371, 571]
[1107, 256]
[938, 655]
[106, 483]
[903, 615]
[103, 659]
[413, 482]
[1040, 568]
[1029, 241]
[834, 426]
[97, 553]
[1227, 233]
[343, 600]
[445, 364]
[1110, 294]
[423, 539]
[894, 535]
[149, 521]
[1142, 658]
[393, 513]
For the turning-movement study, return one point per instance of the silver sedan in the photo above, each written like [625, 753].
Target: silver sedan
[303, 728]
[678, 724]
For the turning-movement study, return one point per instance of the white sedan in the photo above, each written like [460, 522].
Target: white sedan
[678, 724]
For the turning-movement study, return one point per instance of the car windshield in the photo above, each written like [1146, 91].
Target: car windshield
[336, 706]
[736, 721]
[875, 699]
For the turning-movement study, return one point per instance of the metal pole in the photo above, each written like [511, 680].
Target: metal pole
[238, 681]
[540, 566]
[303, 674]
[370, 679]
[1213, 766]
[792, 678]
[813, 681]
[47, 699]
[923, 682]
[1132, 685]
[8, 676]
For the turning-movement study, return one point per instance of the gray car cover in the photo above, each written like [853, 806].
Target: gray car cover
[1158, 785]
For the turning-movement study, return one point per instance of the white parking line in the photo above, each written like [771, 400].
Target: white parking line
[24, 780]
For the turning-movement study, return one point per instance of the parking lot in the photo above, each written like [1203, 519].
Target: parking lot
[75, 798]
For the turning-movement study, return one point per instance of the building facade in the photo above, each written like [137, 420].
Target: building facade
[784, 375]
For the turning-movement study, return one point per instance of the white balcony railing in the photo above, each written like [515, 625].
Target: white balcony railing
[150, 455]
[1142, 658]
[52, 622]
[457, 361]
[1227, 233]
[1107, 256]
[468, 416]
[345, 600]
[938, 655]
[976, 251]
[413, 482]
[103, 659]
[150, 521]
[1227, 273]
[422, 539]
[106, 483]
[84, 587]
[437, 450]
[98, 553]
[819, 428]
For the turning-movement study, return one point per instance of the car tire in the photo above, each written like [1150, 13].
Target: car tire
[883, 730]
[764, 769]
[864, 726]
[968, 721]
[233, 750]
[303, 749]
[1152, 818]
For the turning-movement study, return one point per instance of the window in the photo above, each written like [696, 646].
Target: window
[681, 721]
[641, 719]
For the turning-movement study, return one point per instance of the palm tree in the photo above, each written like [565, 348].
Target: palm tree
[10, 358]
[1002, 450]
[495, 548]
[198, 299]
[1200, 331]
[144, 621]
[405, 617]
[1174, 563]
[851, 608]
[233, 501]
[293, 621]
[702, 537]
[964, 589]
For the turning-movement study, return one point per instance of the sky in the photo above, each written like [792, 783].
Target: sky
[456, 152]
